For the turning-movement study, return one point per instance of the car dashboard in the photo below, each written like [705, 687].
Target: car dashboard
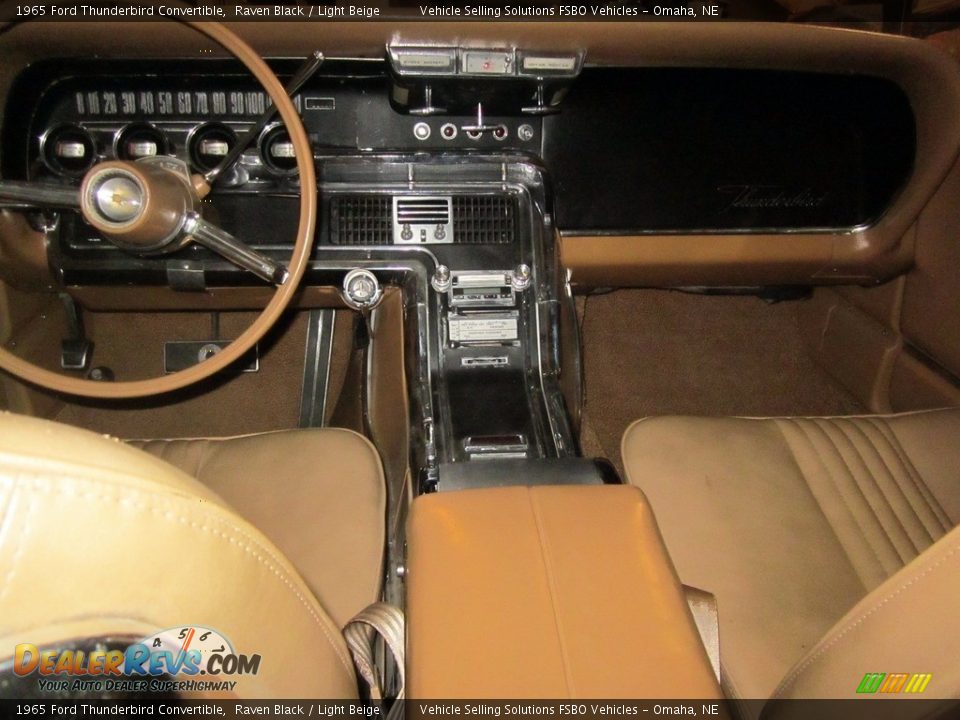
[492, 180]
[471, 181]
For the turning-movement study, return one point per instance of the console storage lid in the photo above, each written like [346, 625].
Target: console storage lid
[547, 592]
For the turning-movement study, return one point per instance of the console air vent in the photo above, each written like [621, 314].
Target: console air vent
[419, 219]
[360, 220]
[423, 210]
[370, 219]
[484, 219]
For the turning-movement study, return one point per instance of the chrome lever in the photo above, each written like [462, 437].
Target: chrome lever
[234, 250]
[304, 73]
[18, 194]
[479, 126]
[428, 107]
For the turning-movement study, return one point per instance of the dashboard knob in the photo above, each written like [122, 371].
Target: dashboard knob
[441, 279]
[361, 289]
[421, 131]
[520, 279]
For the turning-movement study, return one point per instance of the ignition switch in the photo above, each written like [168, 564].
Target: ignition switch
[361, 290]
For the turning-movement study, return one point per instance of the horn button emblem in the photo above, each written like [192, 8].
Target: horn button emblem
[118, 198]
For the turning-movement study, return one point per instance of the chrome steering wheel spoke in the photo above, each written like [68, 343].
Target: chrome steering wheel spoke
[234, 250]
[20, 195]
[118, 201]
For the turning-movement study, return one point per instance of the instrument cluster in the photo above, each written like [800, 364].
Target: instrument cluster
[198, 111]
[199, 126]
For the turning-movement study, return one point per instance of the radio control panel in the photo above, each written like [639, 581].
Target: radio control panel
[482, 309]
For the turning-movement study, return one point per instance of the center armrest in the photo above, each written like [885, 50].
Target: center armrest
[547, 592]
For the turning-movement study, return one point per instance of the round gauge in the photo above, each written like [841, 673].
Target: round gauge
[140, 140]
[68, 150]
[176, 640]
[276, 150]
[209, 144]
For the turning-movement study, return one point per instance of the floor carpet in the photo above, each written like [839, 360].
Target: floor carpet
[230, 404]
[657, 352]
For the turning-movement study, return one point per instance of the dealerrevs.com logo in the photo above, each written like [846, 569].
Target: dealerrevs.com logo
[197, 658]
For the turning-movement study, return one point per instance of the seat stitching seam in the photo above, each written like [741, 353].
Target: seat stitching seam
[871, 511]
[882, 416]
[227, 438]
[833, 423]
[202, 459]
[778, 424]
[11, 487]
[846, 428]
[913, 474]
[839, 492]
[726, 679]
[276, 569]
[251, 548]
[917, 478]
[861, 618]
[901, 487]
[554, 594]
[19, 540]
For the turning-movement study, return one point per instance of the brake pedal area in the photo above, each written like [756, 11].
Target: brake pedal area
[182, 354]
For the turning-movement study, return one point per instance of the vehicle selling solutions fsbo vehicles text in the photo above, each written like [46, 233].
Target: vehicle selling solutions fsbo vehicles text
[565, 11]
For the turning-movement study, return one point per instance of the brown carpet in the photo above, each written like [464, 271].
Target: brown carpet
[229, 404]
[656, 352]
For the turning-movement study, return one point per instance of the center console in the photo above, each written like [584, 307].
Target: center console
[547, 592]
[473, 237]
[430, 178]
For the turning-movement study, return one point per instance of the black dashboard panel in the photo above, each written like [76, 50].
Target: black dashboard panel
[346, 110]
[672, 150]
[346, 107]
[644, 150]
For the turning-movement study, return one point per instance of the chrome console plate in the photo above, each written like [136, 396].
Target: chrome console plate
[481, 289]
[447, 373]
[483, 328]
[422, 219]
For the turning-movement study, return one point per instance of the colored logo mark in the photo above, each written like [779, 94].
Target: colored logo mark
[892, 683]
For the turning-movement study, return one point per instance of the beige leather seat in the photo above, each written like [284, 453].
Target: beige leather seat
[276, 548]
[319, 495]
[828, 542]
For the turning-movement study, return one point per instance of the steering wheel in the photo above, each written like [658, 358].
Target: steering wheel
[150, 206]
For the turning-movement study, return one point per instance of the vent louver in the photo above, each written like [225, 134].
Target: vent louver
[423, 210]
[360, 220]
[484, 219]
[368, 219]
